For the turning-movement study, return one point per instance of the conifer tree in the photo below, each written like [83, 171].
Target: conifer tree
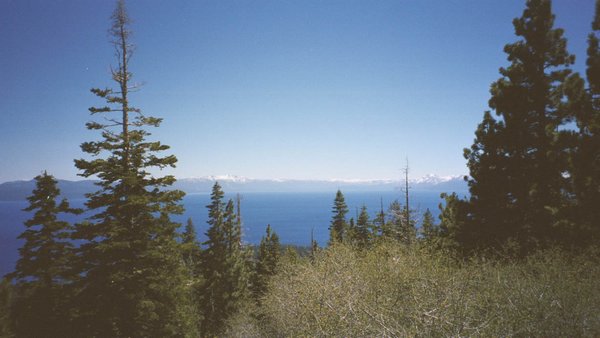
[362, 233]
[43, 273]
[395, 222]
[400, 225]
[191, 248]
[224, 265]
[379, 225]
[132, 280]
[429, 231]
[338, 227]
[515, 162]
[585, 159]
[238, 262]
[269, 251]
[452, 229]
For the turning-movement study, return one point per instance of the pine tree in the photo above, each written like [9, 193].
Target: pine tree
[269, 251]
[191, 250]
[213, 265]
[429, 230]
[238, 263]
[515, 162]
[452, 229]
[400, 225]
[362, 233]
[224, 265]
[395, 222]
[43, 271]
[132, 277]
[585, 159]
[379, 225]
[338, 227]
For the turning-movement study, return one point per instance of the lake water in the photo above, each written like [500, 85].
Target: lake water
[292, 215]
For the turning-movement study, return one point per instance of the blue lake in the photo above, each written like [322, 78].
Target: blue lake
[292, 215]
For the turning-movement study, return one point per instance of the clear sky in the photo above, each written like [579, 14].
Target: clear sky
[265, 89]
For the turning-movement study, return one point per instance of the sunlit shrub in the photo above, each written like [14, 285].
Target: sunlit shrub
[392, 290]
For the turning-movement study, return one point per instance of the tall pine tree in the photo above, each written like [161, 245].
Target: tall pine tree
[362, 231]
[339, 227]
[585, 158]
[224, 265]
[191, 248]
[516, 166]
[132, 280]
[269, 251]
[429, 230]
[43, 273]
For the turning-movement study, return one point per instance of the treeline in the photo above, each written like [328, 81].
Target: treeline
[128, 271]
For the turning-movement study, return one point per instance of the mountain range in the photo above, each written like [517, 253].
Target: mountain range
[19, 190]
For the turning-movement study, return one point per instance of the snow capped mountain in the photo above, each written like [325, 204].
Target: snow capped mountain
[220, 178]
[19, 190]
[435, 179]
[245, 184]
[430, 179]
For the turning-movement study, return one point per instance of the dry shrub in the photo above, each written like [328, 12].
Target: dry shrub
[392, 290]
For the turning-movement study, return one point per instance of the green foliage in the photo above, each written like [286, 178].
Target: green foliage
[225, 266]
[43, 270]
[339, 227]
[379, 224]
[453, 230]
[269, 252]
[516, 162]
[391, 290]
[399, 225]
[191, 250]
[361, 236]
[584, 165]
[132, 280]
[429, 230]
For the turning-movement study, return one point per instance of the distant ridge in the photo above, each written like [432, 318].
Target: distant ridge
[19, 190]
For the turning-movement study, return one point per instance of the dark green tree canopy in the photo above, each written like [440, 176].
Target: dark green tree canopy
[267, 259]
[132, 277]
[516, 163]
[338, 227]
[43, 271]
[224, 265]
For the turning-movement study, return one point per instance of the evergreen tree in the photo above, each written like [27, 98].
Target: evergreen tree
[395, 222]
[266, 263]
[133, 282]
[224, 265]
[43, 271]
[400, 225]
[453, 215]
[191, 248]
[238, 263]
[585, 159]
[429, 230]
[362, 233]
[338, 227]
[379, 225]
[515, 162]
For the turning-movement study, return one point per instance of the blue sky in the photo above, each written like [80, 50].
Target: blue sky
[265, 89]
